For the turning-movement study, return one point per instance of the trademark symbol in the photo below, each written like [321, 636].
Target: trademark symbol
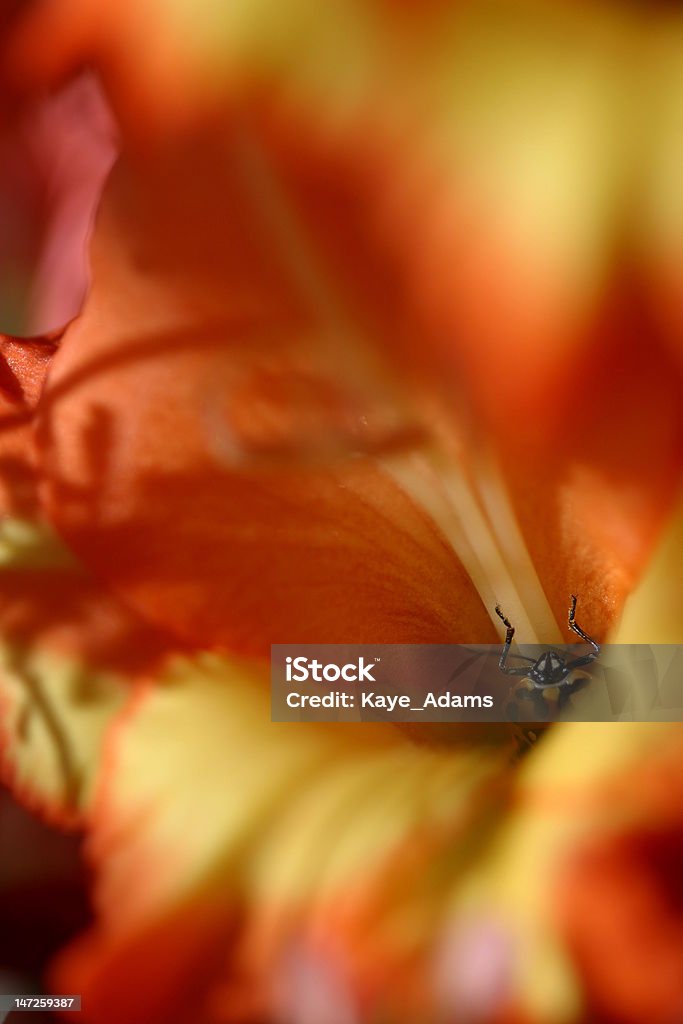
[377, 659]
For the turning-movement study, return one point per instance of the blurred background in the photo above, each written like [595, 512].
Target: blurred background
[43, 898]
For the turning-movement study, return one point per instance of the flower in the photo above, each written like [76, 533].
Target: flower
[351, 202]
[279, 414]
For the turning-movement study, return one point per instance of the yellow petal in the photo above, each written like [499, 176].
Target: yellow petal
[67, 654]
[653, 612]
[332, 830]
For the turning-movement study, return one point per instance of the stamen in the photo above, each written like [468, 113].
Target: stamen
[494, 556]
[416, 474]
[498, 507]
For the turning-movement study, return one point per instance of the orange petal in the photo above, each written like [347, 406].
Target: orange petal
[152, 475]
[23, 365]
[622, 917]
[593, 502]
[587, 423]
[162, 973]
[620, 906]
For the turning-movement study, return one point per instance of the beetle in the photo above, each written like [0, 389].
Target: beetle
[546, 686]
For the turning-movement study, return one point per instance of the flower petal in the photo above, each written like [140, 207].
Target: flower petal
[198, 330]
[68, 653]
[566, 804]
[55, 154]
[652, 615]
[67, 648]
[621, 900]
[282, 832]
